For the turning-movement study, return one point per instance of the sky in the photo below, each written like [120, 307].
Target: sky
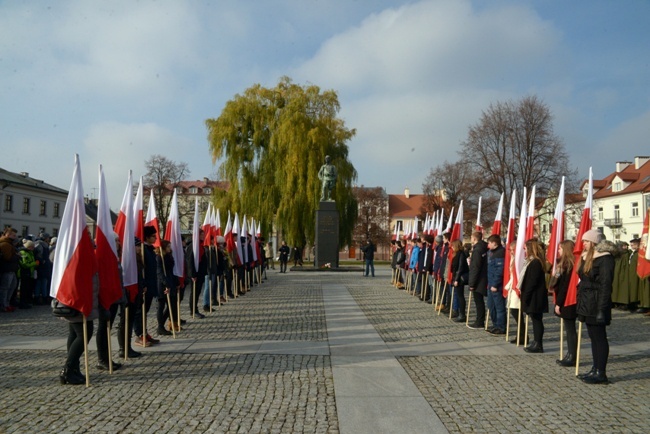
[119, 81]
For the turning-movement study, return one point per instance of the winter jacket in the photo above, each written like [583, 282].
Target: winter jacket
[496, 260]
[561, 290]
[9, 257]
[27, 264]
[425, 260]
[478, 279]
[166, 278]
[595, 287]
[415, 252]
[534, 295]
[459, 269]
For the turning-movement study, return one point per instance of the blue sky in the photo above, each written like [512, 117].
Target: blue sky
[119, 81]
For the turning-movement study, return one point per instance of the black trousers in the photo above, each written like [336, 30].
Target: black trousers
[479, 302]
[126, 316]
[538, 326]
[599, 345]
[459, 292]
[163, 309]
[522, 326]
[194, 291]
[571, 335]
[137, 323]
[75, 343]
[106, 317]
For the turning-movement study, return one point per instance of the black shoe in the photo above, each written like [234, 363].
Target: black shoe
[164, 332]
[428, 301]
[476, 325]
[133, 354]
[445, 310]
[183, 321]
[460, 319]
[103, 366]
[588, 374]
[67, 376]
[206, 308]
[598, 377]
[497, 332]
[199, 315]
[454, 314]
[534, 347]
[569, 361]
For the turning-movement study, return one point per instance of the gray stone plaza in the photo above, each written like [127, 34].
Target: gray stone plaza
[323, 352]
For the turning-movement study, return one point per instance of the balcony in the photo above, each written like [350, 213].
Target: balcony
[616, 222]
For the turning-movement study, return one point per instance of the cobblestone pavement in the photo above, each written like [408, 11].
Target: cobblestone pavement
[180, 391]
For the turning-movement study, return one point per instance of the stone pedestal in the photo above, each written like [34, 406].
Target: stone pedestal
[327, 234]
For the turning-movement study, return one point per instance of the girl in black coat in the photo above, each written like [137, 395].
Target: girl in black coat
[168, 284]
[596, 272]
[534, 296]
[562, 276]
[459, 273]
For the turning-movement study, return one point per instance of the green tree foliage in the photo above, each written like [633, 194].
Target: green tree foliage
[272, 143]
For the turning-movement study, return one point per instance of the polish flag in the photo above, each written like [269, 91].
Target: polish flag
[394, 236]
[237, 242]
[510, 237]
[152, 219]
[244, 242]
[643, 266]
[230, 241]
[530, 221]
[251, 227]
[110, 284]
[496, 227]
[585, 225]
[121, 216]
[456, 234]
[138, 214]
[479, 226]
[128, 260]
[414, 229]
[213, 226]
[407, 231]
[440, 219]
[74, 263]
[197, 250]
[206, 227]
[451, 219]
[520, 255]
[557, 230]
[173, 235]
[217, 222]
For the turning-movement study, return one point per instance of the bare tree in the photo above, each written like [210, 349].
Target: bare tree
[163, 176]
[513, 146]
[373, 219]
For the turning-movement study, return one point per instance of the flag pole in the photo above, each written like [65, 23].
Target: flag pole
[178, 307]
[469, 307]
[508, 324]
[526, 337]
[127, 343]
[578, 347]
[561, 339]
[169, 302]
[144, 319]
[110, 357]
[519, 325]
[85, 327]
[193, 296]
[487, 318]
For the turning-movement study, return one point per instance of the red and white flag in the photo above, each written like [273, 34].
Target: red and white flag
[479, 226]
[138, 214]
[449, 222]
[128, 260]
[74, 263]
[197, 249]
[520, 254]
[173, 235]
[230, 239]
[217, 223]
[394, 236]
[510, 237]
[457, 231]
[643, 266]
[236, 239]
[207, 227]
[585, 225]
[496, 227]
[152, 219]
[243, 238]
[530, 220]
[440, 220]
[414, 229]
[110, 283]
[557, 229]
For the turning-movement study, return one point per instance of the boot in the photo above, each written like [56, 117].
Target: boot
[588, 374]
[460, 318]
[570, 360]
[67, 377]
[560, 361]
[534, 347]
[598, 377]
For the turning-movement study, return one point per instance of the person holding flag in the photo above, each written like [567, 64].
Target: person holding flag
[496, 303]
[534, 295]
[460, 277]
[478, 278]
[594, 304]
[168, 289]
[149, 284]
[560, 286]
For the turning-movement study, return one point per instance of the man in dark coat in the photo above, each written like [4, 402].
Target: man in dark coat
[478, 278]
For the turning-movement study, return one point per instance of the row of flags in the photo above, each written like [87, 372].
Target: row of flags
[77, 261]
[525, 231]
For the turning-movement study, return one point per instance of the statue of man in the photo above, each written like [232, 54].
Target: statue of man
[327, 175]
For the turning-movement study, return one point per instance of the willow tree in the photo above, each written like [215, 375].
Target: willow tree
[271, 144]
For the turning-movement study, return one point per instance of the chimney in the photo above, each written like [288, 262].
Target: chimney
[640, 161]
[621, 165]
[25, 174]
[407, 192]
[205, 179]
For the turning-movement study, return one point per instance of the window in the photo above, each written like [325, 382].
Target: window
[617, 186]
[544, 228]
[635, 209]
[207, 190]
[600, 213]
[43, 210]
[617, 212]
[25, 231]
[56, 209]
[26, 202]
[193, 190]
[179, 190]
[41, 231]
[9, 202]
[55, 232]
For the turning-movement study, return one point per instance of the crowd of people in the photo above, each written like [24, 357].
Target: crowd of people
[438, 270]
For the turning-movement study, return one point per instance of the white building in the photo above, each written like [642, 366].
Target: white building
[621, 198]
[30, 205]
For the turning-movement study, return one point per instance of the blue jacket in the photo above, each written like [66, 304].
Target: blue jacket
[415, 252]
[496, 262]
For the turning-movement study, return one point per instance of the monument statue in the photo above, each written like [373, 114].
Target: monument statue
[327, 175]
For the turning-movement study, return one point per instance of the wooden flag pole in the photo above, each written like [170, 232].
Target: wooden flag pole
[561, 339]
[144, 319]
[110, 350]
[210, 289]
[452, 297]
[487, 318]
[171, 315]
[127, 341]
[526, 337]
[519, 325]
[507, 324]
[193, 296]
[85, 327]
[469, 306]
[451, 300]
[178, 307]
[578, 347]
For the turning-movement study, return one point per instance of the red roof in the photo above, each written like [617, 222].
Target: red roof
[399, 206]
[638, 179]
